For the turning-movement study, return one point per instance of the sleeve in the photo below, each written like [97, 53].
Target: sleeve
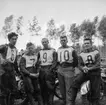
[75, 59]
[58, 63]
[38, 61]
[2, 48]
[54, 63]
[22, 66]
[16, 66]
[80, 63]
[16, 63]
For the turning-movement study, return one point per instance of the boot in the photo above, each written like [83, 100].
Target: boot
[50, 100]
[73, 94]
[3, 100]
[96, 102]
[40, 100]
[31, 99]
[84, 100]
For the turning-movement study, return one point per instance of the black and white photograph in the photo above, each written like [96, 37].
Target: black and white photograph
[52, 52]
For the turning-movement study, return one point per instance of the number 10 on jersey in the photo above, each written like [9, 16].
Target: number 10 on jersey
[64, 56]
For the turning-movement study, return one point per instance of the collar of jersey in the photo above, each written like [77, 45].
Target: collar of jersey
[88, 51]
[46, 49]
[65, 47]
[28, 54]
[11, 46]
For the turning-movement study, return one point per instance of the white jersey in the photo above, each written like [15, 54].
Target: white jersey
[65, 55]
[30, 60]
[89, 58]
[1, 59]
[46, 57]
[11, 54]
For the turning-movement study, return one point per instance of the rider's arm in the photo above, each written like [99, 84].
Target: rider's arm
[54, 63]
[23, 66]
[75, 59]
[16, 63]
[16, 66]
[97, 63]
[2, 48]
[37, 65]
[80, 63]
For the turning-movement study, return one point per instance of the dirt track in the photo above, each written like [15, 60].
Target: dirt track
[78, 101]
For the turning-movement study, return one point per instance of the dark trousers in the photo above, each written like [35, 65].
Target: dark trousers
[95, 81]
[8, 81]
[2, 96]
[8, 84]
[65, 82]
[103, 85]
[32, 89]
[47, 82]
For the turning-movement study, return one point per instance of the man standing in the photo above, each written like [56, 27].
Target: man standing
[9, 63]
[47, 63]
[68, 60]
[30, 74]
[89, 64]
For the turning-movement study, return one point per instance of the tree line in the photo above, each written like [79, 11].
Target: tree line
[97, 28]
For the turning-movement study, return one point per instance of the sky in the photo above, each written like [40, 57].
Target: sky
[62, 11]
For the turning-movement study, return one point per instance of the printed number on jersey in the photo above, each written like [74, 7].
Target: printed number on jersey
[89, 59]
[45, 57]
[33, 61]
[64, 56]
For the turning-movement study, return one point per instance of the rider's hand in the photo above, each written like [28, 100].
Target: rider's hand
[37, 75]
[34, 75]
[5, 61]
[85, 69]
